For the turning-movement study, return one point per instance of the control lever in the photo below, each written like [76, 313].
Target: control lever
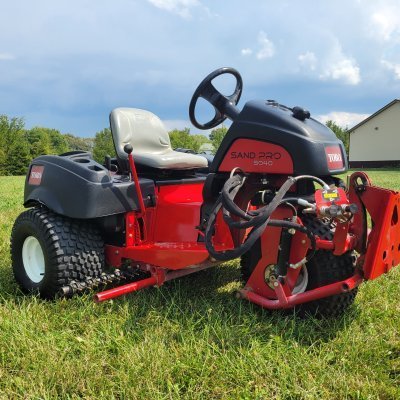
[128, 150]
[107, 162]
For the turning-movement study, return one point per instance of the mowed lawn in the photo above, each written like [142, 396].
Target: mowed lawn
[193, 339]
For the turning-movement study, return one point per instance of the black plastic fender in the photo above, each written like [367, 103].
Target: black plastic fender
[76, 186]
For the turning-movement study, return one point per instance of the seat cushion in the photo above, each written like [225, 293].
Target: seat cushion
[149, 139]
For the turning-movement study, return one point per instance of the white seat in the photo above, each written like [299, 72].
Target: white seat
[149, 139]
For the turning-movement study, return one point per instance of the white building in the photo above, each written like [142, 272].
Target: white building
[375, 141]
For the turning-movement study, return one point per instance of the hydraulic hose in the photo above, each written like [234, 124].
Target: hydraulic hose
[257, 220]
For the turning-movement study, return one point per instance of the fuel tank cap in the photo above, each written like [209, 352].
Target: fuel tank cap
[301, 113]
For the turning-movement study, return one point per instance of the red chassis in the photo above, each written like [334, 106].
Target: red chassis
[168, 252]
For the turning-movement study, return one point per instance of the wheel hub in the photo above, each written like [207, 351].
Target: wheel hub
[270, 277]
[33, 259]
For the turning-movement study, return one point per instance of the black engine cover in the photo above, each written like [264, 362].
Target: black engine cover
[313, 147]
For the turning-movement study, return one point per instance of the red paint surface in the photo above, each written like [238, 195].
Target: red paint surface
[125, 289]
[131, 229]
[282, 301]
[178, 213]
[166, 255]
[270, 241]
[383, 241]
[256, 156]
[171, 237]
[342, 241]
[137, 184]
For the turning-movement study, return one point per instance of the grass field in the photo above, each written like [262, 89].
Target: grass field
[193, 339]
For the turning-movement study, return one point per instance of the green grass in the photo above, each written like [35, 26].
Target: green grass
[193, 339]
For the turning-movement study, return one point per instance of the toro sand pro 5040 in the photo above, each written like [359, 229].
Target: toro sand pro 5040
[270, 196]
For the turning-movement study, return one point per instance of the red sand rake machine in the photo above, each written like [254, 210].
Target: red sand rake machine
[270, 196]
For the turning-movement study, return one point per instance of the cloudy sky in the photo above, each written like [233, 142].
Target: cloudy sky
[66, 64]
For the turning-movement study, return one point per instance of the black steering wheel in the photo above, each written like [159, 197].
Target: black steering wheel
[224, 106]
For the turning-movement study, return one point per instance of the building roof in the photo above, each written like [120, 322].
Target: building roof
[374, 115]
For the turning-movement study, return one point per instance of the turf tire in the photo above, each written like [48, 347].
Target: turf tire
[73, 250]
[326, 268]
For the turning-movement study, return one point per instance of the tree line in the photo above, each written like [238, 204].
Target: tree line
[18, 145]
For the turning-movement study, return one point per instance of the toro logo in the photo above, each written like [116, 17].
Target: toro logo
[35, 177]
[334, 157]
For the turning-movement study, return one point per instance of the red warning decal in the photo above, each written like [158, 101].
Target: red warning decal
[256, 156]
[35, 177]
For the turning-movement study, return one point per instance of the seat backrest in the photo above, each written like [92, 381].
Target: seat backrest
[140, 128]
[150, 141]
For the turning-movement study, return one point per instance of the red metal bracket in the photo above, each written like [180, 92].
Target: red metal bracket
[284, 301]
[166, 255]
[157, 278]
[382, 245]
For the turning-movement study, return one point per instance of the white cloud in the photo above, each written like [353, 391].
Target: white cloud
[180, 7]
[267, 49]
[342, 118]
[308, 60]
[6, 57]
[246, 52]
[392, 67]
[339, 67]
[331, 64]
[386, 23]
[345, 70]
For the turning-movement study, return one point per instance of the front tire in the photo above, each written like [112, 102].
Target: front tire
[326, 268]
[323, 269]
[49, 251]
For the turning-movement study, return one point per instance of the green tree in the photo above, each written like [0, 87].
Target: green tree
[9, 129]
[183, 139]
[39, 142]
[19, 156]
[12, 140]
[180, 138]
[341, 133]
[46, 141]
[217, 135]
[198, 141]
[77, 143]
[58, 142]
[103, 145]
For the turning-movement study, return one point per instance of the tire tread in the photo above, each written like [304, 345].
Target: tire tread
[74, 250]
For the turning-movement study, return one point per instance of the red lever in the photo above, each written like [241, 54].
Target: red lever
[128, 149]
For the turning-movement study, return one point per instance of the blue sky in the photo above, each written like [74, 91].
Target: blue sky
[66, 64]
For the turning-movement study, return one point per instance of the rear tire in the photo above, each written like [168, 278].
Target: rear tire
[49, 251]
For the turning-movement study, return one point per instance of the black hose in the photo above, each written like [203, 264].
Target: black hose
[292, 225]
[255, 219]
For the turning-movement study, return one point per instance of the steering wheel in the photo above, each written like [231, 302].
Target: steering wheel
[224, 106]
